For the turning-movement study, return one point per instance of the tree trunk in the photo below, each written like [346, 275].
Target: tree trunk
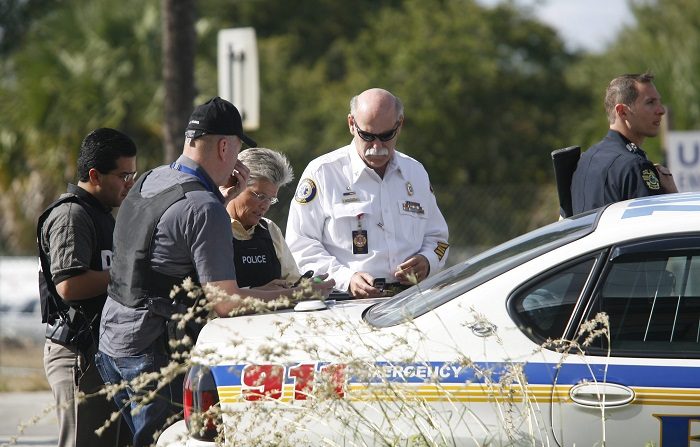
[179, 41]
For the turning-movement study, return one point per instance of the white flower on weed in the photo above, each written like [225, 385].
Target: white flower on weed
[273, 349]
[598, 327]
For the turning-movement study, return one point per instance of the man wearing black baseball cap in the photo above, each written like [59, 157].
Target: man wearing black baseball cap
[173, 225]
[217, 117]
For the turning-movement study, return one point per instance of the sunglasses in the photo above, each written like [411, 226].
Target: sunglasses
[384, 137]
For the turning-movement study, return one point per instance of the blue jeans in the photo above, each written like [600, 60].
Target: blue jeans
[143, 420]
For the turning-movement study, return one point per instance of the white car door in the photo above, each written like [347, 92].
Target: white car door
[634, 380]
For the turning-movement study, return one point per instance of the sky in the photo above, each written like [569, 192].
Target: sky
[582, 24]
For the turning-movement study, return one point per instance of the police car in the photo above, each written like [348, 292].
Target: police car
[581, 332]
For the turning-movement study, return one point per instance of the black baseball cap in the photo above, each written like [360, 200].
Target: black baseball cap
[218, 117]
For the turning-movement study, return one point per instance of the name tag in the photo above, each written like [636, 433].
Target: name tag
[413, 207]
[350, 197]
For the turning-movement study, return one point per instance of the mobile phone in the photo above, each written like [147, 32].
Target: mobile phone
[306, 275]
[379, 283]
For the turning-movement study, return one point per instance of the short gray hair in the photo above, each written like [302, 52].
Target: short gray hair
[266, 164]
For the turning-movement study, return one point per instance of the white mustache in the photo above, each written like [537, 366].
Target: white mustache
[377, 152]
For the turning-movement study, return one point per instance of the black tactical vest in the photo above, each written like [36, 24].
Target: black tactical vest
[256, 259]
[133, 283]
[52, 304]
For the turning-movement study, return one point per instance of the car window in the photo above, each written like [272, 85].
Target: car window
[455, 281]
[653, 304]
[543, 307]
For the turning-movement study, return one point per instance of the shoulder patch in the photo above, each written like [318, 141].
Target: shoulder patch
[441, 249]
[306, 191]
[651, 180]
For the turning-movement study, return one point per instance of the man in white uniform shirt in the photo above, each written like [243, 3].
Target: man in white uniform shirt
[367, 212]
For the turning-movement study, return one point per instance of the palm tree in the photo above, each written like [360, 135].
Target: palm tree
[179, 41]
[86, 64]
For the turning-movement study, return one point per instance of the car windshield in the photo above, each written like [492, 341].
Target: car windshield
[460, 278]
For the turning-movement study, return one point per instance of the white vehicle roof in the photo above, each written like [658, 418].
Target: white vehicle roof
[670, 213]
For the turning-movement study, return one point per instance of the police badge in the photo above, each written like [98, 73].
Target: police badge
[651, 180]
[359, 242]
[306, 191]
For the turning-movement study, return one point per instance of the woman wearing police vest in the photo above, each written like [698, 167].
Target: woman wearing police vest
[261, 254]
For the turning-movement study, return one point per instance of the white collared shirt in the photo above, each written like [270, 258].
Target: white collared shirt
[338, 194]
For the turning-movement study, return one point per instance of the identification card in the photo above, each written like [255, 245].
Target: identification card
[350, 197]
[359, 242]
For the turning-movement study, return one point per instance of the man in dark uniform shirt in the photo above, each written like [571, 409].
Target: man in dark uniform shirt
[74, 236]
[617, 168]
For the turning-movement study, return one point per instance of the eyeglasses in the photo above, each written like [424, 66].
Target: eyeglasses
[367, 136]
[125, 176]
[263, 197]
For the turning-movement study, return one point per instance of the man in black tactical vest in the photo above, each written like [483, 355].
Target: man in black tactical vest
[74, 238]
[172, 225]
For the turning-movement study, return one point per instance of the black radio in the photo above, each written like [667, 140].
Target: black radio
[58, 327]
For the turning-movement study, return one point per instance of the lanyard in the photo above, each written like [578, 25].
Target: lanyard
[190, 171]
